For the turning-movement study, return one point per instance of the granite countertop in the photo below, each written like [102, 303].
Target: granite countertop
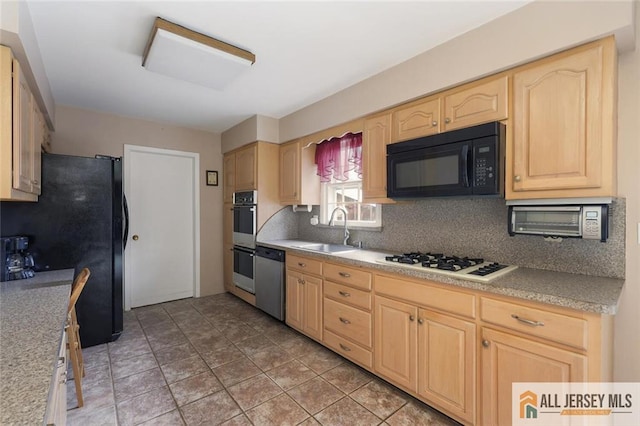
[581, 292]
[32, 318]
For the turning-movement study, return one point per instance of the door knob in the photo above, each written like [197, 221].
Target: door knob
[135, 238]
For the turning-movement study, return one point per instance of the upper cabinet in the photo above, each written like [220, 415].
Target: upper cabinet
[22, 135]
[375, 137]
[246, 168]
[474, 103]
[563, 141]
[229, 180]
[299, 183]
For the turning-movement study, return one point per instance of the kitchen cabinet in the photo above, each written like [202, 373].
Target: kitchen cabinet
[563, 142]
[299, 182]
[23, 132]
[245, 168]
[347, 312]
[468, 105]
[227, 246]
[375, 137]
[229, 180]
[304, 295]
[56, 413]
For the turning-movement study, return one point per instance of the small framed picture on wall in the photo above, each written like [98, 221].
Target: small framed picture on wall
[212, 178]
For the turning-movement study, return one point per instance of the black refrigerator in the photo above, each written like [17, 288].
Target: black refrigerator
[78, 222]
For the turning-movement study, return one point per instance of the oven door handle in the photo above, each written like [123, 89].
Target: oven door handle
[244, 250]
[465, 165]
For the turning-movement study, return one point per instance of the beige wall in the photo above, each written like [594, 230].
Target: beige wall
[627, 322]
[256, 128]
[86, 133]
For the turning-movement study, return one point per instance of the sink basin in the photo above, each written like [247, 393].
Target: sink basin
[327, 248]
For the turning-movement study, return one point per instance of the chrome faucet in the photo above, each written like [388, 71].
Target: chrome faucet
[346, 231]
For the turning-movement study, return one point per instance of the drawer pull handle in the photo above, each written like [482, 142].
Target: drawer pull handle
[344, 274]
[345, 347]
[302, 265]
[344, 294]
[344, 320]
[528, 321]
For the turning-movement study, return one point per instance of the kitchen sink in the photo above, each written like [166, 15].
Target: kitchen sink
[326, 248]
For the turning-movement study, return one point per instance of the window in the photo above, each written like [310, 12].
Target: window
[348, 195]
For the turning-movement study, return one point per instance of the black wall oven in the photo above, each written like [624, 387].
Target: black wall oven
[460, 162]
[244, 239]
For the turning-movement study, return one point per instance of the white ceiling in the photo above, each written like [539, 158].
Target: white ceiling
[305, 51]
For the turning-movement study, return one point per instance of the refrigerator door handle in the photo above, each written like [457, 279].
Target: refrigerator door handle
[126, 221]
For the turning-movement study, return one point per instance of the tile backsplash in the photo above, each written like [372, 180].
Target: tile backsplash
[474, 227]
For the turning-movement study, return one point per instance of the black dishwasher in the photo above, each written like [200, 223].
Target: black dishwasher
[269, 281]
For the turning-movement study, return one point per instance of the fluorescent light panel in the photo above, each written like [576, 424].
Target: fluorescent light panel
[184, 54]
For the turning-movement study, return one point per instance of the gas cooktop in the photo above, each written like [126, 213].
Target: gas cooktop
[471, 269]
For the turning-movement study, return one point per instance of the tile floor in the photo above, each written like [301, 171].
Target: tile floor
[218, 360]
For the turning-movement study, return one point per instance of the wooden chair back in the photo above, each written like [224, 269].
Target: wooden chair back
[77, 286]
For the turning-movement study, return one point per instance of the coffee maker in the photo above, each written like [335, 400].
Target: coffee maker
[17, 263]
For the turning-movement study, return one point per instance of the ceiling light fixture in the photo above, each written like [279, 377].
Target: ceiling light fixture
[179, 52]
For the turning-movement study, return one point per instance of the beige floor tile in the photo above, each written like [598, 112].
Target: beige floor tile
[346, 412]
[137, 384]
[183, 368]
[98, 395]
[236, 371]
[209, 343]
[291, 374]
[222, 356]
[298, 346]
[271, 357]
[95, 359]
[172, 418]
[212, 409]
[145, 407]
[174, 353]
[254, 344]
[281, 411]
[153, 318]
[254, 391]
[379, 398]
[122, 349]
[136, 364]
[415, 413]
[321, 360]
[240, 420]
[166, 339]
[239, 332]
[347, 377]
[86, 416]
[94, 349]
[315, 395]
[195, 387]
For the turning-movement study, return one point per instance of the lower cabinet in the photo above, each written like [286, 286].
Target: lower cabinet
[56, 413]
[304, 299]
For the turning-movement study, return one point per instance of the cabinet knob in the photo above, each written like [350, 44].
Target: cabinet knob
[447, 120]
[420, 321]
[517, 178]
[485, 343]
[135, 238]
[434, 123]
[412, 318]
[35, 182]
[302, 265]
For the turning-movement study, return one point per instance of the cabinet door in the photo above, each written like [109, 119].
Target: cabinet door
[312, 306]
[38, 140]
[446, 363]
[559, 142]
[289, 190]
[478, 104]
[295, 301]
[22, 136]
[229, 166]
[376, 136]
[227, 257]
[417, 120]
[246, 169]
[395, 342]
[227, 223]
[507, 359]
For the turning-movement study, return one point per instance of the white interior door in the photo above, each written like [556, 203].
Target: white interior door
[162, 257]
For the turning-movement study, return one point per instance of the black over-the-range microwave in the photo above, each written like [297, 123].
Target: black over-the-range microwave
[467, 161]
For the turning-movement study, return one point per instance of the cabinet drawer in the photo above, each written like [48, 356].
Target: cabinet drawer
[304, 264]
[348, 295]
[536, 322]
[345, 275]
[348, 322]
[426, 295]
[348, 349]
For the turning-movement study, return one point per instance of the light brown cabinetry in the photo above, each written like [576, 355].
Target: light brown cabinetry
[563, 142]
[22, 135]
[56, 413]
[375, 137]
[474, 103]
[347, 312]
[229, 181]
[304, 295]
[246, 166]
[299, 183]
[227, 245]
